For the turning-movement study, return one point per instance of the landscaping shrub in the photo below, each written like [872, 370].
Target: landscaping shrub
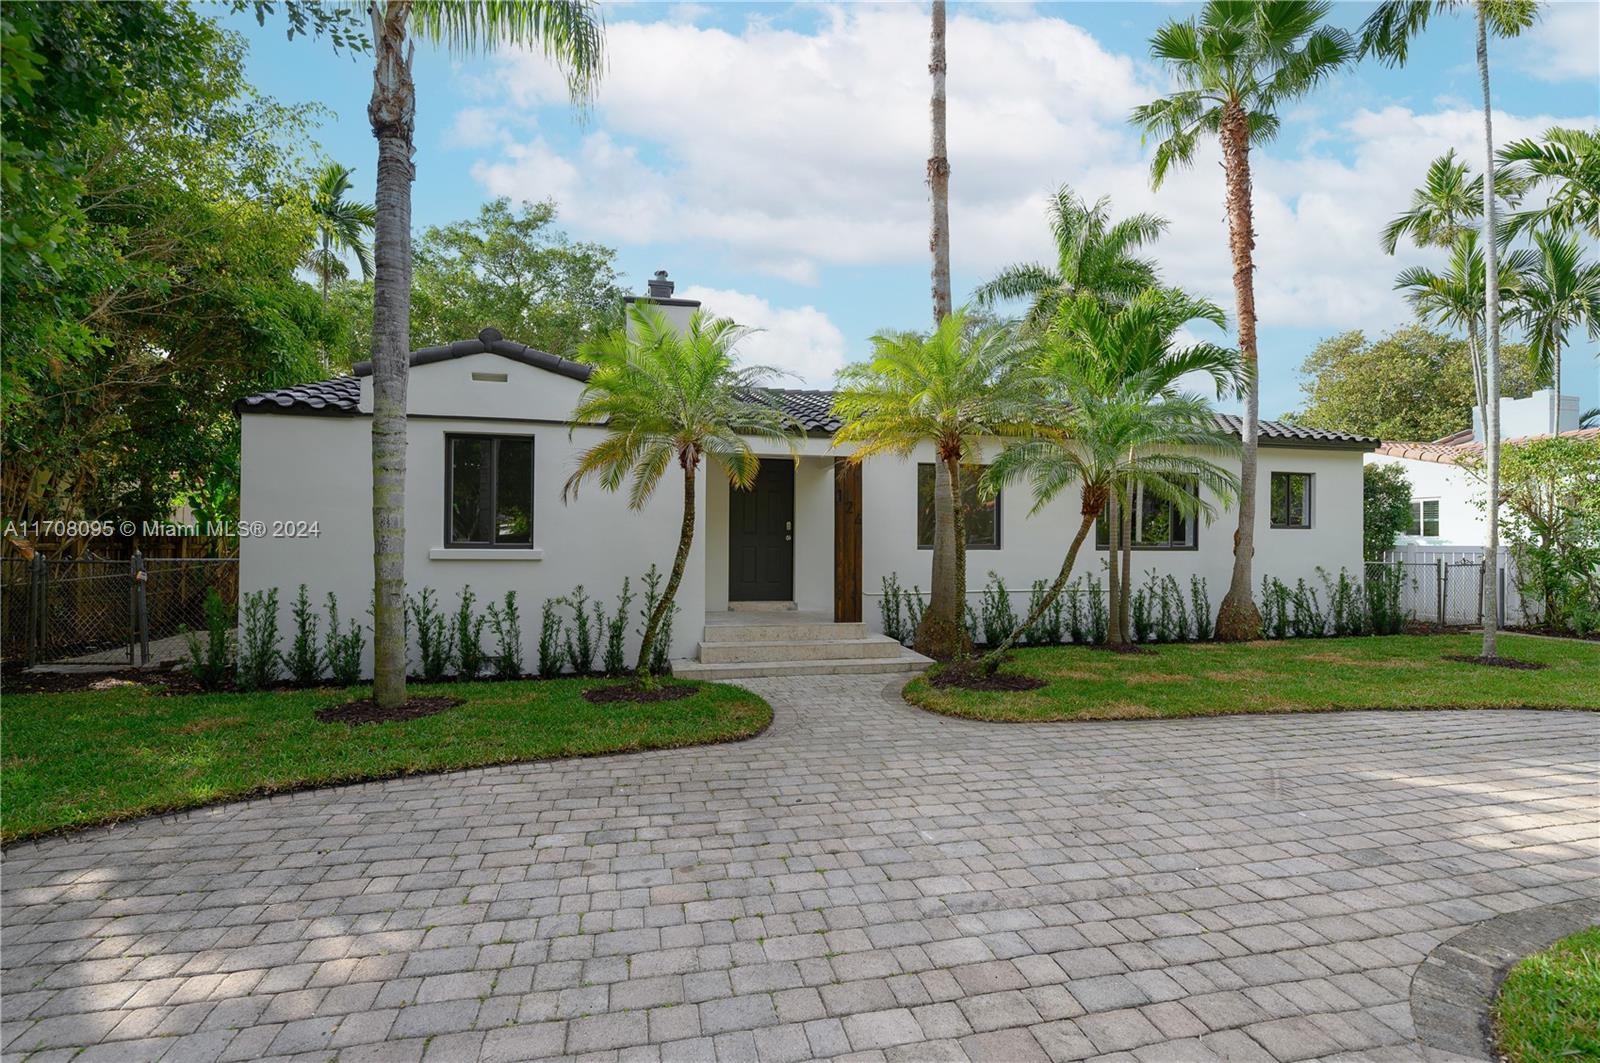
[970, 623]
[433, 635]
[914, 609]
[1386, 508]
[1045, 631]
[304, 659]
[998, 617]
[343, 650]
[661, 653]
[258, 640]
[1346, 607]
[211, 659]
[889, 610]
[1143, 622]
[1385, 615]
[1099, 618]
[615, 659]
[1202, 607]
[552, 651]
[1308, 619]
[507, 625]
[1075, 622]
[1275, 610]
[468, 627]
[1174, 617]
[580, 638]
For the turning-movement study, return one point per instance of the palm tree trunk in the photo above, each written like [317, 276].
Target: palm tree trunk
[393, 115]
[958, 512]
[668, 596]
[939, 174]
[1094, 501]
[1476, 354]
[1491, 434]
[1127, 568]
[1114, 634]
[940, 635]
[1238, 619]
[323, 272]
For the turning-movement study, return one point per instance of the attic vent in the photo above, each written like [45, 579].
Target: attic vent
[492, 378]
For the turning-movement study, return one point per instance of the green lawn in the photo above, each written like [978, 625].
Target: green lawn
[1549, 1006]
[72, 760]
[1297, 675]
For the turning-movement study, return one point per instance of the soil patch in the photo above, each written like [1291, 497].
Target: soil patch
[972, 679]
[633, 693]
[15, 680]
[1553, 632]
[1496, 662]
[365, 710]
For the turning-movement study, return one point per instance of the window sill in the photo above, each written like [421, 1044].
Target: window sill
[451, 553]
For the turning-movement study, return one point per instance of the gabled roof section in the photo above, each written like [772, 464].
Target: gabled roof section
[490, 341]
[339, 397]
[1284, 434]
[1446, 453]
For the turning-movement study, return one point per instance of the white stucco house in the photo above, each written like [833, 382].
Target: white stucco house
[491, 443]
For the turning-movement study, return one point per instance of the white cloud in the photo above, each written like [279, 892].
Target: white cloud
[801, 341]
[1564, 45]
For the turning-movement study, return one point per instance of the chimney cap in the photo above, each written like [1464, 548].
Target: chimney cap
[660, 287]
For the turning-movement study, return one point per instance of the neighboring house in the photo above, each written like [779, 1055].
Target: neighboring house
[492, 444]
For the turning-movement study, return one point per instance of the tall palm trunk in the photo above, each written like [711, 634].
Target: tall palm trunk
[940, 634]
[1238, 619]
[958, 537]
[1114, 633]
[658, 615]
[939, 174]
[1094, 500]
[1475, 352]
[327, 249]
[392, 113]
[1491, 433]
[1127, 569]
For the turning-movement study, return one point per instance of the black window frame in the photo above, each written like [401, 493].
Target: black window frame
[1310, 506]
[1420, 510]
[495, 438]
[1101, 524]
[978, 471]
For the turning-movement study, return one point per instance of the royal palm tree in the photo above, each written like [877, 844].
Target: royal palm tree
[342, 226]
[1567, 164]
[668, 397]
[1387, 33]
[1449, 203]
[569, 34]
[1238, 62]
[1559, 292]
[1111, 420]
[939, 171]
[950, 388]
[1094, 255]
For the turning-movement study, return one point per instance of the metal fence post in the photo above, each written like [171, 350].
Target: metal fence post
[1438, 588]
[141, 615]
[36, 577]
[1500, 599]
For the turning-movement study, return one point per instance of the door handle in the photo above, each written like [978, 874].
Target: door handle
[788, 525]
[788, 538]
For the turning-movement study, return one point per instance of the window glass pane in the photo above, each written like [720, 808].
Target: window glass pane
[1430, 517]
[925, 504]
[514, 491]
[1415, 527]
[1280, 499]
[470, 498]
[1155, 521]
[982, 515]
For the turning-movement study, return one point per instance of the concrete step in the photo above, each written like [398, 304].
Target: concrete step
[872, 646]
[761, 607]
[907, 661]
[811, 631]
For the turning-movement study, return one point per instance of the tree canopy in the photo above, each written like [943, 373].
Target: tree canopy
[1413, 383]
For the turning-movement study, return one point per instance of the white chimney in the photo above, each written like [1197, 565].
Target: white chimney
[659, 298]
[1532, 416]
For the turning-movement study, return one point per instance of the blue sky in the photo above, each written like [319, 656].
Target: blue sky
[772, 157]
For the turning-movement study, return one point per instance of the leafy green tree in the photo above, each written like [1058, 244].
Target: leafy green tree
[1385, 508]
[1237, 64]
[1387, 33]
[1559, 292]
[950, 388]
[1410, 384]
[1094, 255]
[1566, 165]
[668, 397]
[342, 224]
[1108, 417]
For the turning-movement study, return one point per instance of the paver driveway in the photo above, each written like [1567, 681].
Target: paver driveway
[863, 878]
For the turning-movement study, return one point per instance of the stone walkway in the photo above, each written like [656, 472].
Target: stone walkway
[864, 878]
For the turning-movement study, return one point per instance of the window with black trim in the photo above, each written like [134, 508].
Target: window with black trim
[488, 490]
[981, 514]
[1424, 517]
[1157, 524]
[1291, 500]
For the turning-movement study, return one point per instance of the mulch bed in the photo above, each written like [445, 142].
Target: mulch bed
[631, 692]
[970, 679]
[17, 681]
[1553, 633]
[365, 710]
[1496, 662]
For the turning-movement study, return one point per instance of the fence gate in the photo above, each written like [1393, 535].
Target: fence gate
[1446, 592]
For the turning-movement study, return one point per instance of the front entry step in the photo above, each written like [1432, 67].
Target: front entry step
[905, 661]
[874, 647]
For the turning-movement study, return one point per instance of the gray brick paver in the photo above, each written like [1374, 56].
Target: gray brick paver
[863, 881]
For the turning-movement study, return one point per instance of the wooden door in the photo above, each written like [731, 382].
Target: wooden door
[846, 541]
[761, 536]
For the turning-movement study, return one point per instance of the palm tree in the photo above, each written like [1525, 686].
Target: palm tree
[1238, 62]
[939, 172]
[1112, 421]
[667, 396]
[1449, 202]
[1568, 160]
[342, 226]
[1560, 292]
[1455, 299]
[1387, 32]
[1093, 255]
[569, 33]
[950, 388]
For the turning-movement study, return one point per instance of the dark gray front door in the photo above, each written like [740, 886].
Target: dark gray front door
[761, 536]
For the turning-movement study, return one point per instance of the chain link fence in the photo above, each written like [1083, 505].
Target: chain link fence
[91, 610]
[1445, 592]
